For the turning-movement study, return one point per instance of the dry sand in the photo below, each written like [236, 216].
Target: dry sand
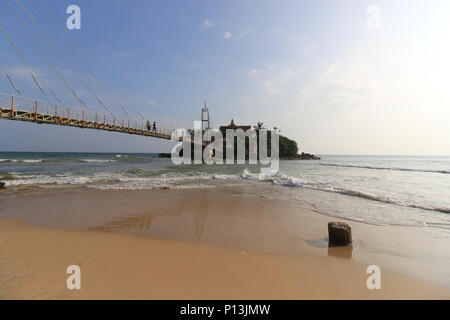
[225, 247]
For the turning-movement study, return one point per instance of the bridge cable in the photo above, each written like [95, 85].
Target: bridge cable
[36, 46]
[75, 43]
[34, 43]
[61, 57]
[24, 61]
[77, 57]
[10, 80]
[65, 61]
[42, 55]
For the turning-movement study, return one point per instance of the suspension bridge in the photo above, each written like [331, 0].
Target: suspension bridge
[71, 65]
[24, 109]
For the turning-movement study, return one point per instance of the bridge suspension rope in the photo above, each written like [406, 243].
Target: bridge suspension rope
[25, 63]
[41, 53]
[91, 76]
[64, 61]
[75, 44]
[37, 38]
[10, 80]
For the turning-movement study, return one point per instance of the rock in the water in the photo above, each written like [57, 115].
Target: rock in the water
[165, 155]
[303, 156]
[2, 185]
[339, 234]
[308, 156]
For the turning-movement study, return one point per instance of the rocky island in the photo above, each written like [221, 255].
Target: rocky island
[288, 150]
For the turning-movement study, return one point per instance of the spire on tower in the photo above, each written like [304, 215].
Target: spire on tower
[206, 123]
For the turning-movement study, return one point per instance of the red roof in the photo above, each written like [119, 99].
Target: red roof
[235, 127]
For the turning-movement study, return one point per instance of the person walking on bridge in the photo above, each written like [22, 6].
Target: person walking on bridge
[149, 126]
[154, 125]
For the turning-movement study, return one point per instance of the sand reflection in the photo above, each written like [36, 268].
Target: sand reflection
[125, 224]
[341, 252]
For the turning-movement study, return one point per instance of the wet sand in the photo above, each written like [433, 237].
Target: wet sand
[186, 244]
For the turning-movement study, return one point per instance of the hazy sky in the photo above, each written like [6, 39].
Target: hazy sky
[330, 74]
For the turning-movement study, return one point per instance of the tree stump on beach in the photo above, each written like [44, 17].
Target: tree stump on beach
[2, 185]
[339, 234]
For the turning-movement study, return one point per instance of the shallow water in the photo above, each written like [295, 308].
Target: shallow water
[387, 190]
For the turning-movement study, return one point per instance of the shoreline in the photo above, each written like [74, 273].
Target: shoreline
[228, 225]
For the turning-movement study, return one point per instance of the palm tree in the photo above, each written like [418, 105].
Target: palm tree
[259, 126]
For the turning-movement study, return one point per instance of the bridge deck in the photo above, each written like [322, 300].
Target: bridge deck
[42, 118]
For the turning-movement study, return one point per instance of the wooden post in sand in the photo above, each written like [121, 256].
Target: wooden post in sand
[339, 234]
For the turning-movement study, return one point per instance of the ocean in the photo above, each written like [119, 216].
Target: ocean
[381, 190]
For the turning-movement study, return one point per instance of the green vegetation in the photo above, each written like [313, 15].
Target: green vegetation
[288, 147]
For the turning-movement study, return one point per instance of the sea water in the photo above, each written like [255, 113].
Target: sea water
[385, 190]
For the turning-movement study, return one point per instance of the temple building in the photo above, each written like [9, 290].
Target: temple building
[234, 127]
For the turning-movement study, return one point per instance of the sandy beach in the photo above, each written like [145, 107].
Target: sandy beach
[184, 244]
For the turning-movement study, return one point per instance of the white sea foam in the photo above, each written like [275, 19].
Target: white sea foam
[386, 168]
[224, 177]
[115, 181]
[256, 176]
[97, 160]
[22, 160]
[32, 161]
[288, 181]
[412, 197]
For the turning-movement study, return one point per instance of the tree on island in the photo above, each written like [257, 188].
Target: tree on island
[259, 126]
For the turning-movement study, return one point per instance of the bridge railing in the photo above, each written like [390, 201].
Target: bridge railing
[7, 100]
[19, 103]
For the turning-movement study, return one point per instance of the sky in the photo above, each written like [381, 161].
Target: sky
[339, 77]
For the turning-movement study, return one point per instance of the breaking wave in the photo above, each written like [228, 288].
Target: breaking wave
[289, 181]
[384, 168]
[96, 160]
[24, 160]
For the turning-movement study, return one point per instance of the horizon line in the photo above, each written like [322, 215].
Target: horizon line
[317, 154]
